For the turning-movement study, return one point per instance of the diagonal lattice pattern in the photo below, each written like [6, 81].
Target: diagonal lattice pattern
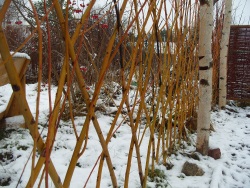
[144, 46]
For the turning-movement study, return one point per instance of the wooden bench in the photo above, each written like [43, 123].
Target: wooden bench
[21, 62]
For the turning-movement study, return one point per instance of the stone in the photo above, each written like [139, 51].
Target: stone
[194, 156]
[191, 169]
[214, 153]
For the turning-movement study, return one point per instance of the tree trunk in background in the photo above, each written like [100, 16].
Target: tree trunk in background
[223, 54]
[205, 76]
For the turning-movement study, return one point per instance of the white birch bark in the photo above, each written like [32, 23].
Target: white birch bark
[223, 54]
[205, 76]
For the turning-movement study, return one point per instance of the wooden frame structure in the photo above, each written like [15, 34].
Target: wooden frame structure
[21, 65]
[41, 163]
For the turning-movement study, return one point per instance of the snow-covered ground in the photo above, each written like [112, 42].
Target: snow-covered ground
[232, 170]
[232, 136]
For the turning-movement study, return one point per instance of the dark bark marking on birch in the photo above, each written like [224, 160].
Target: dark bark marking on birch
[201, 57]
[206, 67]
[221, 78]
[204, 82]
[203, 67]
[204, 2]
[203, 129]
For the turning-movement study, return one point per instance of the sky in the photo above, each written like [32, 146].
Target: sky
[241, 12]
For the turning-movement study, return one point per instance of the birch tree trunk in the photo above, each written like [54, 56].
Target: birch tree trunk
[205, 76]
[223, 54]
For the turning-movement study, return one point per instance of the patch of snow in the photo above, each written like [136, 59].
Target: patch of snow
[19, 54]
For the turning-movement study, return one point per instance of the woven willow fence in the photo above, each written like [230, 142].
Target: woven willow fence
[239, 63]
[150, 47]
